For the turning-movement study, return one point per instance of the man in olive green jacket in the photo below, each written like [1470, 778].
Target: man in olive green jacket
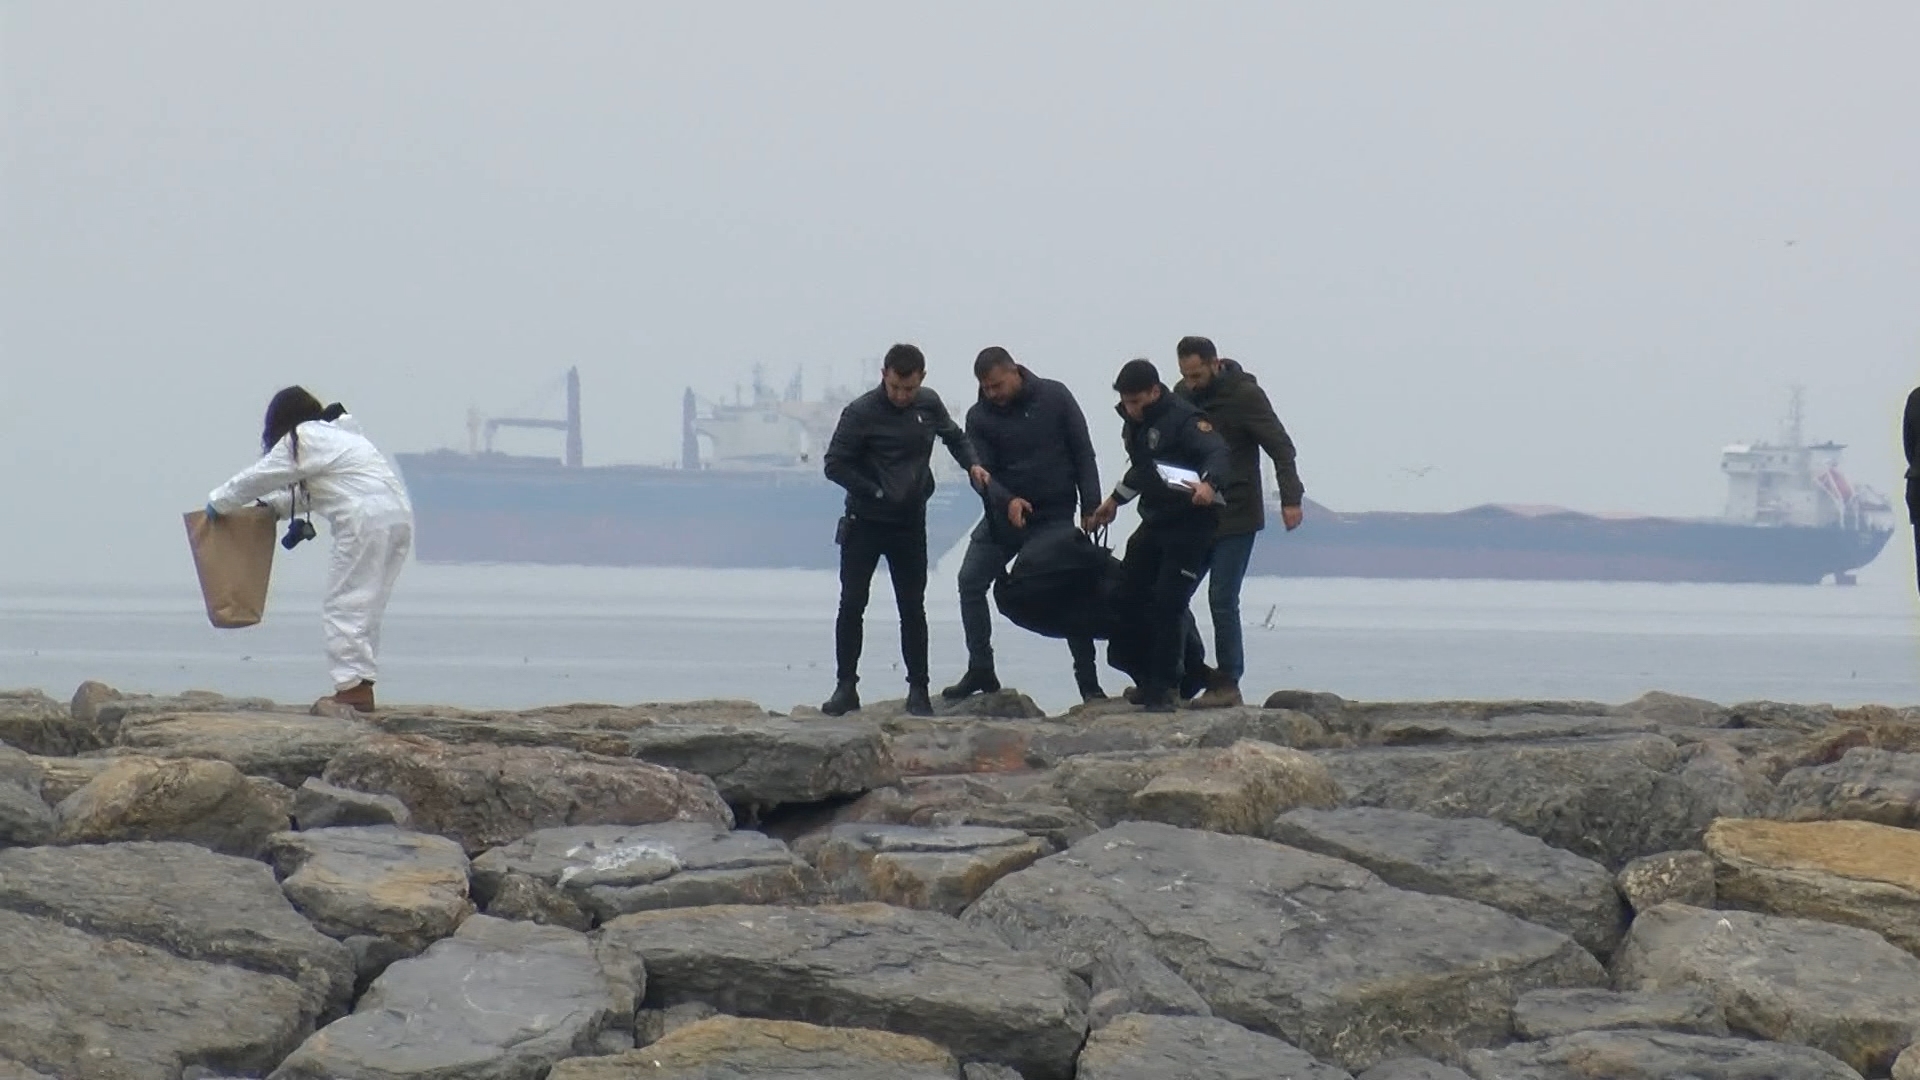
[1234, 402]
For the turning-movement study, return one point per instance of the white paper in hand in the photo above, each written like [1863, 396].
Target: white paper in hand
[1175, 476]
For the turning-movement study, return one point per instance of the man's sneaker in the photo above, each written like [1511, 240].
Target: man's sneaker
[975, 681]
[918, 703]
[845, 699]
[1221, 693]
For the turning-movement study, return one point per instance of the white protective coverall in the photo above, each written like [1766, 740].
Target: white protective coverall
[341, 476]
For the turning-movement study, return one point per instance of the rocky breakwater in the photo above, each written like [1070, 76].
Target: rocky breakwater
[198, 887]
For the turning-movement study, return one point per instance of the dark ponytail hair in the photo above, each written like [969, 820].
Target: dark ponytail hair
[288, 410]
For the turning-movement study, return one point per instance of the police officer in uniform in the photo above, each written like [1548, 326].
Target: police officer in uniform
[882, 453]
[1169, 551]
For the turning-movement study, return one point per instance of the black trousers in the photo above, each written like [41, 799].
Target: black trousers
[862, 546]
[1163, 565]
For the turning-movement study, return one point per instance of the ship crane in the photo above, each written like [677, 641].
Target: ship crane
[481, 430]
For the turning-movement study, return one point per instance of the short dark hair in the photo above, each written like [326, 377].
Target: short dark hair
[1196, 346]
[906, 360]
[1137, 377]
[991, 359]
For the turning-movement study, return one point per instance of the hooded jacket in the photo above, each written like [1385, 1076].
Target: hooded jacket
[1174, 432]
[1037, 448]
[883, 455]
[1245, 418]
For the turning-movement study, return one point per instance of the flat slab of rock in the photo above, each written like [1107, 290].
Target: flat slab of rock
[1855, 873]
[1544, 1014]
[937, 869]
[387, 893]
[1413, 1069]
[182, 898]
[484, 796]
[1309, 949]
[865, 965]
[1137, 1047]
[209, 803]
[320, 805]
[33, 722]
[81, 1007]
[497, 999]
[733, 1048]
[1670, 877]
[25, 819]
[1866, 784]
[279, 746]
[585, 875]
[752, 756]
[1415, 730]
[1472, 859]
[1654, 1055]
[1238, 789]
[1610, 799]
[1835, 988]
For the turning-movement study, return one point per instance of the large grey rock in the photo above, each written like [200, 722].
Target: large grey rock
[33, 722]
[279, 746]
[209, 803]
[387, 893]
[733, 1048]
[82, 1007]
[1412, 1069]
[1670, 877]
[1864, 785]
[320, 805]
[1654, 1055]
[1836, 988]
[1610, 799]
[1236, 789]
[585, 875]
[1854, 873]
[1306, 948]
[1472, 859]
[1140, 1047]
[1907, 1066]
[484, 796]
[13, 1070]
[754, 757]
[1674, 709]
[1415, 730]
[865, 965]
[498, 999]
[184, 899]
[24, 818]
[975, 1070]
[1128, 979]
[1543, 1014]
[939, 869]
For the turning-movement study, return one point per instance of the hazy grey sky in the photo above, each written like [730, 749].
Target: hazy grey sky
[1541, 247]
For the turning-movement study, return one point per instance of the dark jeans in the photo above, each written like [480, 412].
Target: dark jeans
[905, 549]
[1226, 572]
[1163, 567]
[989, 550]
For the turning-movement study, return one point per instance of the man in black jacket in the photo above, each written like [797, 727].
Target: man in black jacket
[882, 453]
[1031, 436]
[1239, 409]
[1910, 436]
[1178, 513]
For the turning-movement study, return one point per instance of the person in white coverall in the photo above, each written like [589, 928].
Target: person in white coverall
[318, 461]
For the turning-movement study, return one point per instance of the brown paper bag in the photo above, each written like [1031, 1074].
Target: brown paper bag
[234, 558]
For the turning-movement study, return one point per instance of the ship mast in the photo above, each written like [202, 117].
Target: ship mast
[1796, 410]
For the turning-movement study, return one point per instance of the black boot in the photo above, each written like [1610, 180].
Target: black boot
[1195, 681]
[975, 681]
[1090, 688]
[845, 699]
[918, 704]
[1158, 701]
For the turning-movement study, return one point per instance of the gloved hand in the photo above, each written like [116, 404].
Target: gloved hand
[212, 514]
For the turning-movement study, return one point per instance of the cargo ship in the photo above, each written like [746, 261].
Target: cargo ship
[1791, 517]
[748, 492]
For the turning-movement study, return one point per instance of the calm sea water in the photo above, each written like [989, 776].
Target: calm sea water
[519, 636]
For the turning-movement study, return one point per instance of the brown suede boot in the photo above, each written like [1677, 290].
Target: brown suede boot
[358, 697]
[1221, 693]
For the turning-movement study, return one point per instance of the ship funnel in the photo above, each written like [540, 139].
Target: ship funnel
[574, 450]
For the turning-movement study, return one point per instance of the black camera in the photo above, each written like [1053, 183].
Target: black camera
[298, 529]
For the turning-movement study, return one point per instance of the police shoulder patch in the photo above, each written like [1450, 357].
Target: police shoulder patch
[1203, 425]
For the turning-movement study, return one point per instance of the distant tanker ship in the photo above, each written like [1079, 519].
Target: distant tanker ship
[748, 493]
